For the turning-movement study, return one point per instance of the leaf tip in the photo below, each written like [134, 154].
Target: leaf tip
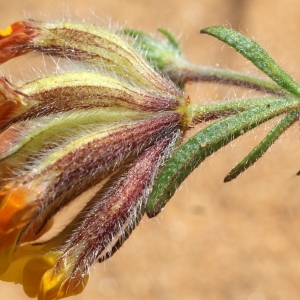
[227, 178]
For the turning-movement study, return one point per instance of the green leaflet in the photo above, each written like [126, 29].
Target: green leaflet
[155, 51]
[146, 41]
[263, 146]
[258, 56]
[210, 111]
[139, 36]
[206, 142]
[171, 38]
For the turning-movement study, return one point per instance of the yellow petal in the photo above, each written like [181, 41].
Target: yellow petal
[5, 32]
[57, 283]
[35, 269]
[72, 287]
[48, 276]
[15, 271]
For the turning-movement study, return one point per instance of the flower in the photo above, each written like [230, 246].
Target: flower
[75, 131]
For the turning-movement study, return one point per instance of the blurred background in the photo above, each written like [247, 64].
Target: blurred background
[213, 241]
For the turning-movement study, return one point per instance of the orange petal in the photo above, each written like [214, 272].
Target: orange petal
[16, 208]
[15, 28]
[16, 35]
[7, 248]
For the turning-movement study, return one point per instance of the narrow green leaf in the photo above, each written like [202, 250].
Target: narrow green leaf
[258, 56]
[139, 36]
[199, 113]
[158, 52]
[263, 146]
[206, 142]
[145, 40]
[171, 38]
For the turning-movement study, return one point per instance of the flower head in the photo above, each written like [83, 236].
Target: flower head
[65, 134]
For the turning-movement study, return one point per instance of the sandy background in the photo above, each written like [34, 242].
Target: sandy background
[213, 241]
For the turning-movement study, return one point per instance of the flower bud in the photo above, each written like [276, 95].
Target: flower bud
[89, 44]
[83, 89]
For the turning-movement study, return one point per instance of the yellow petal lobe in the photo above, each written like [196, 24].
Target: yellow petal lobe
[35, 269]
[5, 32]
[20, 258]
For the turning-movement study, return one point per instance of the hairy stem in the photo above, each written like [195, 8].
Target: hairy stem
[183, 72]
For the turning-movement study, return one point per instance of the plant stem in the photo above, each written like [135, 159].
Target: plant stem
[181, 71]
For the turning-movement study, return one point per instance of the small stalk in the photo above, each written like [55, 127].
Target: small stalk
[182, 72]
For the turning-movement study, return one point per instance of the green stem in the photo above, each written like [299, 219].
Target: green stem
[181, 72]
